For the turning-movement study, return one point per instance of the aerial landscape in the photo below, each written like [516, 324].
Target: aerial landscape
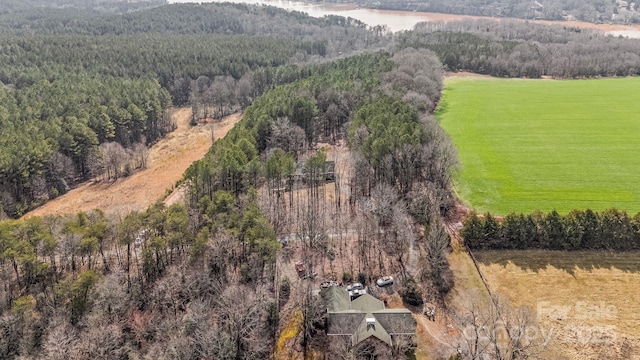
[434, 179]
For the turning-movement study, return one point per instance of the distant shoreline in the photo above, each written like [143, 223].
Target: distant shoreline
[400, 20]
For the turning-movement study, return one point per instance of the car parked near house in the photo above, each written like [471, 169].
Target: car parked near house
[355, 286]
[384, 281]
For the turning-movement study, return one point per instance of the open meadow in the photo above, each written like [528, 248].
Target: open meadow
[545, 144]
[585, 302]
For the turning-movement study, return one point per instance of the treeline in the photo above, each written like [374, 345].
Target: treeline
[333, 35]
[594, 11]
[112, 6]
[401, 144]
[174, 60]
[402, 168]
[519, 49]
[578, 230]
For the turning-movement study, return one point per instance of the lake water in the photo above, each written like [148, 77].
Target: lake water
[394, 20]
[404, 20]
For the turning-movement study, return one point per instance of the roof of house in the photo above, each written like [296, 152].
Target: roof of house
[396, 321]
[364, 317]
[337, 299]
[367, 303]
[367, 329]
[343, 323]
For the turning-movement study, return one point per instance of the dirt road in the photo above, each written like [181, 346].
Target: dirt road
[168, 160]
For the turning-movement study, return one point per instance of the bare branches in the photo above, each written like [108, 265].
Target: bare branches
[115, 161]
[437, 248]
[498, 330]
[60, 341]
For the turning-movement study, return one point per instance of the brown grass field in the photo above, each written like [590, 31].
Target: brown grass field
[168, 160]
[589, 300]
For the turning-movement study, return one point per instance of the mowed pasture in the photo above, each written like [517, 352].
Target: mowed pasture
[585, 301]
[526, 145]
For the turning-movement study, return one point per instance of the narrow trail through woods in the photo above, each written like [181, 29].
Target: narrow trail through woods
[169, 158]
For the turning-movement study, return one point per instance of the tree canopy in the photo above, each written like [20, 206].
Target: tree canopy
[85, 90]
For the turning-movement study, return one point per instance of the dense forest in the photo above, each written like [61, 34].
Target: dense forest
[85, 91]
[218, 58]
[518, 49]
[200, 280]
[91, 90]
[52, 133]
[107, 6]
[204, 283]
[595, 11]
[338, 34]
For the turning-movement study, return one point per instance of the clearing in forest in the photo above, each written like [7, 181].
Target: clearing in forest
[168, 160]
[585, 301]
[545, 144]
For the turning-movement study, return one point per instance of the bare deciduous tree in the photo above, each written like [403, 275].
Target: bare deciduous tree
[287, 136]
[417, 77]
[383, 199]
[241, 317]
[109, 294]
[114, 157]
[60, 341]
[438, 270]
[139, 155]
[493, 328]
[100, 341]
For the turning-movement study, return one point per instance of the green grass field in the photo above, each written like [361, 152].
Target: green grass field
[545, 144]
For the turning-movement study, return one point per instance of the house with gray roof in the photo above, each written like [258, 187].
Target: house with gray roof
[365, 317]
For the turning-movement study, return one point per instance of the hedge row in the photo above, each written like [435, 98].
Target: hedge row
[579, 230]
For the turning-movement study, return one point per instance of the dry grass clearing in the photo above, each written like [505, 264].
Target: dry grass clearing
[588, 299]
[168, 160]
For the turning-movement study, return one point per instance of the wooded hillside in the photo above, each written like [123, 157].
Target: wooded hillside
[213, 278]
[83, 90]
[200, 281]
[512, 48]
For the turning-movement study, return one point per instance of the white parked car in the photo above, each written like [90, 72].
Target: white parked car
[355, 286]
[384, 281]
